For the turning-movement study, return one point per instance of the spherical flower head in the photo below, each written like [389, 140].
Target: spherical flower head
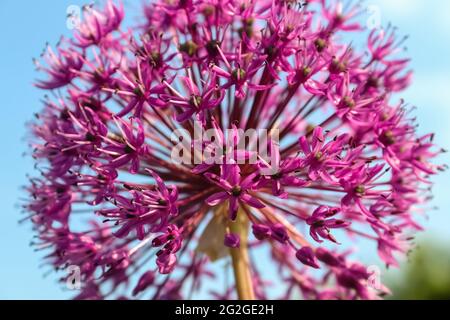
[249, 132]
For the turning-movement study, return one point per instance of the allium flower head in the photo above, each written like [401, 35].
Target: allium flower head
[341, 161]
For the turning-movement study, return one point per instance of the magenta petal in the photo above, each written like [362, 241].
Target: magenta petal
[217, 198]
[253, 202]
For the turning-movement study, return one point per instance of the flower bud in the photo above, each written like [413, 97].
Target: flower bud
[261, 232]
[232, 240]
[306, 256]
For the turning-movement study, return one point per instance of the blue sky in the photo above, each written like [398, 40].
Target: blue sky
[25, 27]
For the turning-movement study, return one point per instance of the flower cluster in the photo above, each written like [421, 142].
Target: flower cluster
[349, 164]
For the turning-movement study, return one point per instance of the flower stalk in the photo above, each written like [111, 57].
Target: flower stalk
[241, 259]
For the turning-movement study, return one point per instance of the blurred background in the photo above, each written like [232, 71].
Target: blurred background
[25, 28]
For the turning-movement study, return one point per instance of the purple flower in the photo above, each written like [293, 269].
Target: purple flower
[328, 257]
[306, 256]
[321, 222]
[279, 233]
[320, 157]
[239, 75]
[97, 25]
[109, 197]
[359, 185]
[196, 102]
[129, 147]
[139, 93]
[62, 68]
[261, 231]
[171, 241]
[146, 280]
[235, 189]
[149, 210]
[232, 240]
[284, 172]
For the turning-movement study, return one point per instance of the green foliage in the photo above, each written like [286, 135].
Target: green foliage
[426, 276]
